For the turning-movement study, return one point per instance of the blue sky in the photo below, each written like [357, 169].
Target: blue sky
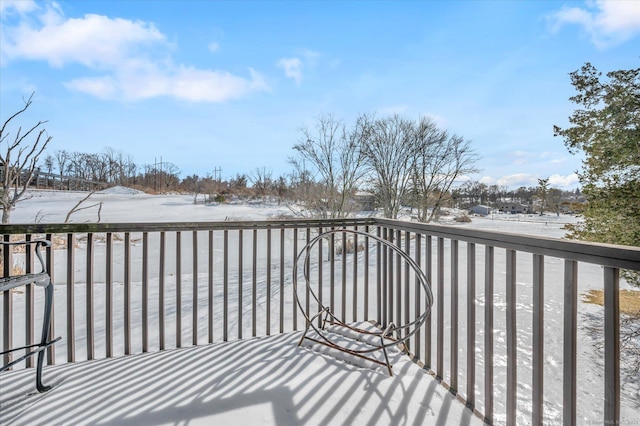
[212, 84]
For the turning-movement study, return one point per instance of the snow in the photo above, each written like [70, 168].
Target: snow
[261, 381]
[118, 205]
[120, 190]
[276, 375]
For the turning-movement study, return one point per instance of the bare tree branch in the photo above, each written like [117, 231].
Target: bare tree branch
[77, 207]
[18, 173]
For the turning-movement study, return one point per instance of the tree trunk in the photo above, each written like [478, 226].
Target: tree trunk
[6, 215]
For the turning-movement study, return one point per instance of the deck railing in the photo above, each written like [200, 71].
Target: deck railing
[505, 306]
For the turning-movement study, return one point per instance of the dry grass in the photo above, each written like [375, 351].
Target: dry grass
[463, 219]
[629, 300]
[350, 246]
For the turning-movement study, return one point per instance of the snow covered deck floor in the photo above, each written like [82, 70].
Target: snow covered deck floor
[268, 381]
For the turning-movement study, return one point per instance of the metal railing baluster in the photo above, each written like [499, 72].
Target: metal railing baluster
[293, 257]
[343, 286]
[427, 325]
[366, 275]
[178, 289]
[354, 301]
[537, 367]
[29, 301]
[569, 369]
[127, 293]
[454, 316]
[440, 309]
[7, 302]
[194, 291]
[407, 298]
[49, 261]
[89, 298]
[471, 324]
[71, 320]
[240, 250]
[254, 283]
[488, 333]
[512, 339]
[109, 295]
[268, 283]
[319, 277]
[210, 290]
[225, 287]
[381, 310]
[161, 292]
[145, 292]
[611, 346]
[398, 278]
[281, 280]
[332, 272]
[417, 296]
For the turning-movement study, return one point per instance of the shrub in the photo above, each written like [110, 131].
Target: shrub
[463, 219]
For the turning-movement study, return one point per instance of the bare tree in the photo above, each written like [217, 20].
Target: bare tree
[237, 185]
[334, 155]
[170, 174]
[390, 153]
[62, 158]
[304, 190]
[262, 181]
[18, 159]
[48, 163]
[439, 161]
[281, 187]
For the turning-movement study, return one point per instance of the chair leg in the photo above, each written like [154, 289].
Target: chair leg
[45, 334]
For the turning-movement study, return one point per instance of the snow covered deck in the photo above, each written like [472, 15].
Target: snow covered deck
[508, 328]
[266, 381]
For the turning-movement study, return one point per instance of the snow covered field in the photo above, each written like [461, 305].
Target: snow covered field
[121, 205]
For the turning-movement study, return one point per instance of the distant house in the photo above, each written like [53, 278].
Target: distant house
[480, 209]
[366, 200]
[515, 208]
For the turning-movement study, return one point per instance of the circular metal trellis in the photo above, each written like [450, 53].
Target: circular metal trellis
[390, 335]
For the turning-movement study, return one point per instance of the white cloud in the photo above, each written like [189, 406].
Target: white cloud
[19, 6]
[94, 41]
[563, 182]
[520, 157]
[517, 180]
[292, 68]
[607, 22]
[132, 56]
[182, 83]
[523, 179]
[101, 87]
[487, 180]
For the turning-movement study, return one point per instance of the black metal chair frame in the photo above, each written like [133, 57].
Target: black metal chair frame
[390, 335]
[41, 279]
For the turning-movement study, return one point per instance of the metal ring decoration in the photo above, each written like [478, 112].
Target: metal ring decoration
[389, 330]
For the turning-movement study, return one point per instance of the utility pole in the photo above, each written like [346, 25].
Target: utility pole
[157, 170]
[217, 177]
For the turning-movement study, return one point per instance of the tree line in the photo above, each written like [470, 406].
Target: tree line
[384, 163]
[540, 198]
[393, 160]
